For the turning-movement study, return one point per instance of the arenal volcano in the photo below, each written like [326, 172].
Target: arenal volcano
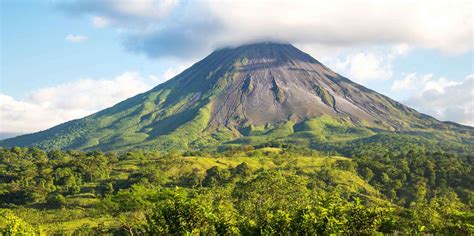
[254, 93]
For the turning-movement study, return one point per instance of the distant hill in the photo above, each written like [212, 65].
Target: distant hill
[252, 94]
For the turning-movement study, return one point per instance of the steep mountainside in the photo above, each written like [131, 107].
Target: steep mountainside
[252, 93]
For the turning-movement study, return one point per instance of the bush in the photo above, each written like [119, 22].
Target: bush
[56, 200]
[10, 224]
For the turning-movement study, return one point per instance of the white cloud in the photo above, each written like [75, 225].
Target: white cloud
[400, 50]
[134, 13]
[364, 65]
[73, 38]
[413, 82]
[164, 28]
[50, 106]
[369, 67]
[173, 71]
[100, 22]
[410, 82]
[441, 98]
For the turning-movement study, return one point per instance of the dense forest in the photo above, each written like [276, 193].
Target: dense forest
[243, 190]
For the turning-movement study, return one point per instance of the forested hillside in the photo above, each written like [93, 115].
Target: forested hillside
[243, 190]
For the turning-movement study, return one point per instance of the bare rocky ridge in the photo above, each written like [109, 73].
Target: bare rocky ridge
[276, 83]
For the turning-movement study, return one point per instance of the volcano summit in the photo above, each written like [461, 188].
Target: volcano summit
[252, 94]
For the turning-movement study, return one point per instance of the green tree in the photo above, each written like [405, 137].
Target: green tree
[10, 224]
[56, 200]
[242, 170]
[177, 215]
[260, 199]
[215, 176]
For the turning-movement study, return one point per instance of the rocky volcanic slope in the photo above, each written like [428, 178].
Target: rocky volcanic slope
[252, 90]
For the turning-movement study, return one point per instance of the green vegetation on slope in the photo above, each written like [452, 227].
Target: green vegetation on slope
[326, 134]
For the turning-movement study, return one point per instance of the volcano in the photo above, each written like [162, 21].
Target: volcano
[253, 93]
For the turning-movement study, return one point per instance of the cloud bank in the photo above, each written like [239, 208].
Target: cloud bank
[440, 97]
[183, 28]
[50, 106]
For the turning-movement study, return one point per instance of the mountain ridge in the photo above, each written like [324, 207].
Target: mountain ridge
[234, 93]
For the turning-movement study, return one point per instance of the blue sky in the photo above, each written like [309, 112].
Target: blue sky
[420, 54]
[36, 55]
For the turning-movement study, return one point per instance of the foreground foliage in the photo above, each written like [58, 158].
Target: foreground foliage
[244, 190]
